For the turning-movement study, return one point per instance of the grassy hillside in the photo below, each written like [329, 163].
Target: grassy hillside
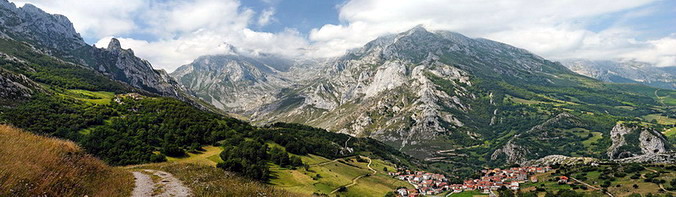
[205, 180]
[209, 155]
[46, 69]
[32, 165]
[297, 181]
[98, 97]
[573, 119]
[323, 176]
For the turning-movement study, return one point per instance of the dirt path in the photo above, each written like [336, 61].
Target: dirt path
[661, 186]
[144, 185]
[591, 186]
[326, 162]
[355, 179]
[158, 183]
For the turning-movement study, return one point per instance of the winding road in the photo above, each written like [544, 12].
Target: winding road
[355, 179]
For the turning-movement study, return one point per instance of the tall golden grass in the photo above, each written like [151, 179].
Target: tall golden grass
[32, 165]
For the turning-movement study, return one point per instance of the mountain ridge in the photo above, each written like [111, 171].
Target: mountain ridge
[55, 35]
[424, 92]
[619, 71]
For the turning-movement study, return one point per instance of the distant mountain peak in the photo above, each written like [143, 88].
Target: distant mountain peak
[114, 44]
[32, 23]
[624, 71]
[5, 3]
[417, 29]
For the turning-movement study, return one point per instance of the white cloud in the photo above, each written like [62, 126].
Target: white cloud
[169, 54]
[266, 17]
[553, 29]
[182, 30]
[662, 52]
[175, 18]
[94, 18]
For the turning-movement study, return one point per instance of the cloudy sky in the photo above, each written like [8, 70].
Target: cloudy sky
[170, 33]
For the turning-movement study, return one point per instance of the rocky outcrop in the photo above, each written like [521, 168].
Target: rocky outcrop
[524, 146]
[136, 71]
[54, 32]
[650, 158]
[512, 152]
[561, 160]
[16, 87]
[636, 140]
[617, 136]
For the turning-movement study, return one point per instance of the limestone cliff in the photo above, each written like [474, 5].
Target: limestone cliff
[636, 140]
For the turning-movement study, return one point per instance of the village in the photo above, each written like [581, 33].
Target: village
[426, 183]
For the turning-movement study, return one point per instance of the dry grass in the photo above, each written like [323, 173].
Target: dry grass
[206, 180]
[32, 165]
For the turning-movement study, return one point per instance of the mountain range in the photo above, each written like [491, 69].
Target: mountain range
[54, 35]
[625, 72]
[434, 100]
[426, 93]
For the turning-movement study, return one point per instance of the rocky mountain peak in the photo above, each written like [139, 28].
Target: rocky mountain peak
[114, 45]
[32, 23]
[6, 4]
[234, 82]
[32, 9]
[417, 30]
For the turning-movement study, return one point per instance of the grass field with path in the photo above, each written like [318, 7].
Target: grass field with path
[332, 174]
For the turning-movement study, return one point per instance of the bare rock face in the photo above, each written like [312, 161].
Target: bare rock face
[634, 140]
[234, 83]
[15, 87]
[617, 136]
[138, 72]
[652, 142]
[29, 22]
